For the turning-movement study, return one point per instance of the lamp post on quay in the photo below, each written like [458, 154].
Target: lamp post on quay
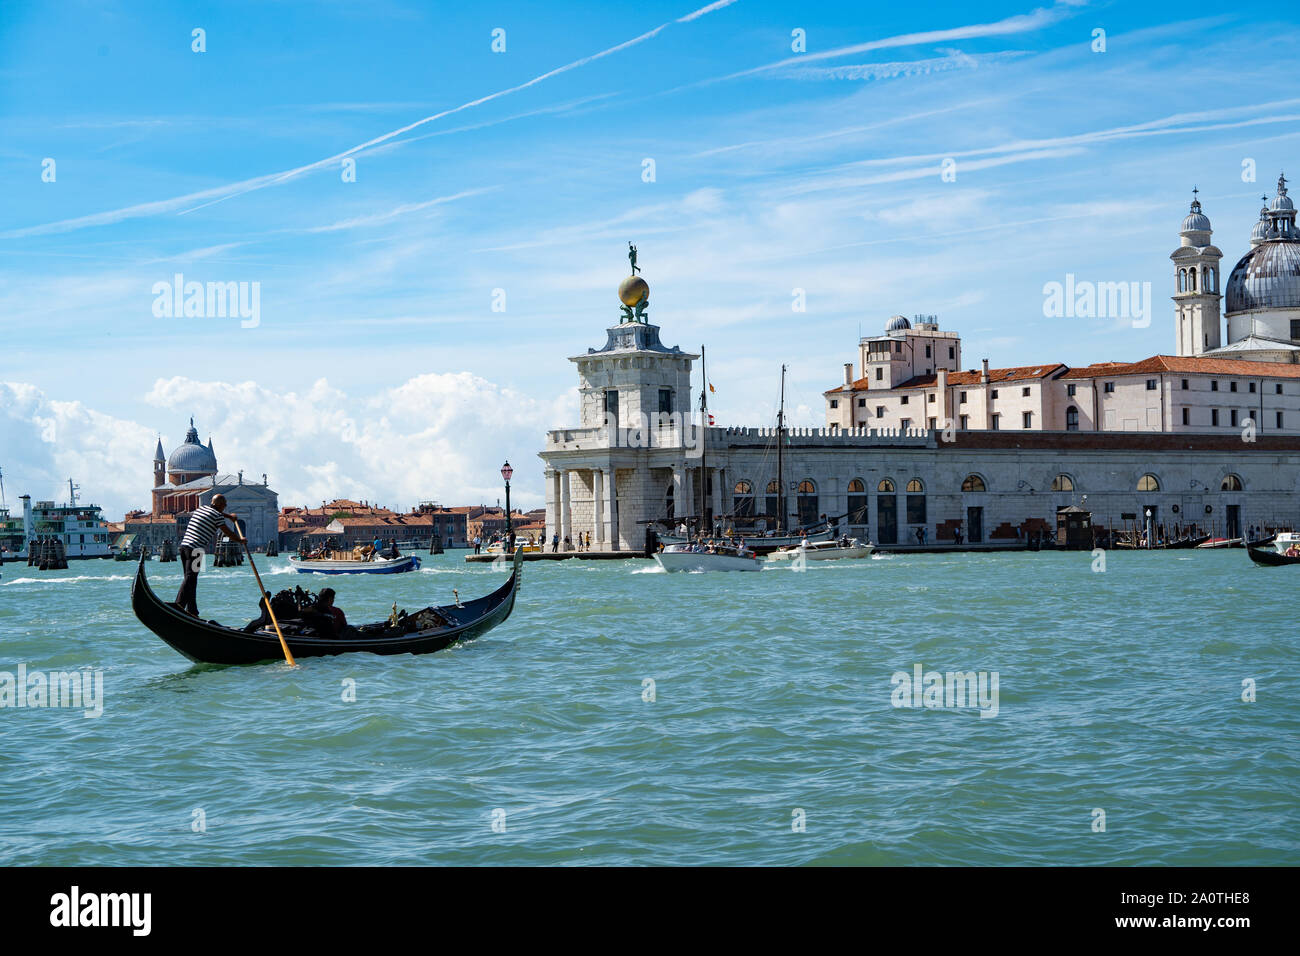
[506, 472]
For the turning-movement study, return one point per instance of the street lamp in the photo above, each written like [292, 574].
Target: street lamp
[506, 472]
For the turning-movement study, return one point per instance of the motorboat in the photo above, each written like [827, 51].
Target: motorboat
[707, 557]
[824, 550]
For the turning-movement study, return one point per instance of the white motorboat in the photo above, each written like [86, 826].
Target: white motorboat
[824, 550]
[344, 563]
[699, 557]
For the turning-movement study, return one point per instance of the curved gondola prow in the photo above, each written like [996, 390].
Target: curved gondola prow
[1269, 557]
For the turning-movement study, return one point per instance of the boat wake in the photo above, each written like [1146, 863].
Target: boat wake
[79, 577]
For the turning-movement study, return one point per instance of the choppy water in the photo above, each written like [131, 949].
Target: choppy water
[1119, 691]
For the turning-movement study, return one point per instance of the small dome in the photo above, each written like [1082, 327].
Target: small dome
[897, 323]
[1196, 220]
[1260, 232]
[192, 457]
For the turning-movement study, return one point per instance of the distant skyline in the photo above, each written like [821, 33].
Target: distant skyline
[380, 364]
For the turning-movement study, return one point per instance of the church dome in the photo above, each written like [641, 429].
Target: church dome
[192, 457]
[1196, 220]
[1260, 232]
[1267, 277]
[897, 323]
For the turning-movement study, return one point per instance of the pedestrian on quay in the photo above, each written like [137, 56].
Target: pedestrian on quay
[568, 545]
[555, 542]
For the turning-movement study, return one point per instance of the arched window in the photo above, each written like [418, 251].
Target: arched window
[772, 504]
[1062, 483]
[742, 503]
[1230, 483]
[1071, 419]
[1182, 280]
[857, 502]
[668, 501]
[1148, 482]
[973, 483]
[806, 498]
[886, 486]
[915, 502]
[1191, 279]
[1212, 275]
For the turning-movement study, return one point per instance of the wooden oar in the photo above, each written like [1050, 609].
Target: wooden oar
[261, 596]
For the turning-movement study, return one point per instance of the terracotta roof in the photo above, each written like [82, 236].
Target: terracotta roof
[1017, 374]
[1188, 363]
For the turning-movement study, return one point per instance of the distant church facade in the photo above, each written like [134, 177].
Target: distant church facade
[189, 477]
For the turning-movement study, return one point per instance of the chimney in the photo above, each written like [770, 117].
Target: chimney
[848, 373]
[984, 375]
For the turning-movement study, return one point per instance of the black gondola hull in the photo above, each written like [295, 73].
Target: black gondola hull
[206, 643]
[1270, 558]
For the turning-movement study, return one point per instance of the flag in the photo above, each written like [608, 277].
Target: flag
[711, 388]
[711, 421]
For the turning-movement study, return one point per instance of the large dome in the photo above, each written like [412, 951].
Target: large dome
[193, 457]
[1267, 277]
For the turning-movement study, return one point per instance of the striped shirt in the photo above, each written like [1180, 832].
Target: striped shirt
[202, 527]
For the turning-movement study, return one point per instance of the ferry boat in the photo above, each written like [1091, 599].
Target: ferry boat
[824, 550]
[80, 527]
[710, 557]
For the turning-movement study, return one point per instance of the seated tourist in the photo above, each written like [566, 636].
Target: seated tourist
[263, 619]
[327, 610]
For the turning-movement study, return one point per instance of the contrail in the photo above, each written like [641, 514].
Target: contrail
[217, 194]
[1020, 23]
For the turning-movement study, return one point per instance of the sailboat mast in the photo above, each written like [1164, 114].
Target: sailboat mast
[704, 431]
[780, 458]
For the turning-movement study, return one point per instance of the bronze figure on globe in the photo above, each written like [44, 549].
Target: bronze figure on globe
[634, 292]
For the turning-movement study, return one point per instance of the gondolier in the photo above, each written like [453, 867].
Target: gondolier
[202, 528]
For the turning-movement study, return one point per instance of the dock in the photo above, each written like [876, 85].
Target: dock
[982, 547]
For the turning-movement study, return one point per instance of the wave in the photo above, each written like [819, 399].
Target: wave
[79, 577]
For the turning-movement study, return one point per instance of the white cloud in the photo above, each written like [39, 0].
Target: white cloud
[435, 436]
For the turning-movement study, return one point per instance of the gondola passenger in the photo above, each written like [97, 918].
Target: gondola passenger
[325, 606]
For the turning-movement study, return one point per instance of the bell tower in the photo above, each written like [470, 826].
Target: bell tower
[1197, 296]
[159, 465]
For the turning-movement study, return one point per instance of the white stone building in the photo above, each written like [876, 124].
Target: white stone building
[1207, 437]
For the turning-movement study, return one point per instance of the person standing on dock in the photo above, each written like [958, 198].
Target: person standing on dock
[555, 542]
[202, 528]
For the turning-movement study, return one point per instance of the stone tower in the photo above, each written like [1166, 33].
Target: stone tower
[159, 465]
[1196, 286]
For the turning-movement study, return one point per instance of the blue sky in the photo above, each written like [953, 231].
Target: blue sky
[379, 368]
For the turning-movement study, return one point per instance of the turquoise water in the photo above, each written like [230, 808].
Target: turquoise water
[1119, 691]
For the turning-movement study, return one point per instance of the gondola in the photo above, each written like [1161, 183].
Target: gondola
[207, 643]
[1270, 556]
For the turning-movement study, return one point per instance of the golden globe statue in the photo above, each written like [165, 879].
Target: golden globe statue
[632, 290]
